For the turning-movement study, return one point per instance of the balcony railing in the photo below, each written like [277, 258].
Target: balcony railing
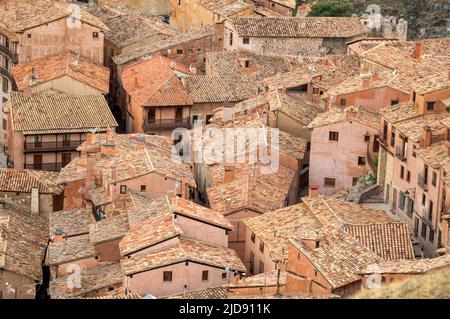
[400, 153]
[422, 182]
[45, 166]
[163, 124]
[51, 146]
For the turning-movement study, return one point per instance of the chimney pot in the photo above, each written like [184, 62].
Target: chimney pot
[418, 50]
[426, 137]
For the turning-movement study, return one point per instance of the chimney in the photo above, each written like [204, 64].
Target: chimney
[350, 114]
[58, 235]
[108, 148]
[90, 171]
[375, 76]
[418, 50]
[35, 201]
[90, 139]
[314, 191]
[366, 83]
[426, 136]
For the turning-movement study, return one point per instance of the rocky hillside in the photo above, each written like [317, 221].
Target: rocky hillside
[426, 18]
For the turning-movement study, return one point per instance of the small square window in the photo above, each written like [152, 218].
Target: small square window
[29, 35]
[315, 90]
[343, 102]
[95, 35]
[205, 275]
[167, 276]
[333, 136]
[430, 106]
[253, 237]
[246, 40]
[224, 275]
[143, 188]
[361, 160]
[179, 51]
[123, 189]
[330, 182]
[354, 181]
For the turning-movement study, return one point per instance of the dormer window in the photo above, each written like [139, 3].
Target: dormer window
[95, 35]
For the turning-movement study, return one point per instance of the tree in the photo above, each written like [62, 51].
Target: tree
[331, 8]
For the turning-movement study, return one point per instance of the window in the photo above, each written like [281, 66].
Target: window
[424, 231]
[409, 207]
[366, 138]
[434, 179]
[167, 276]
[430, 106]
[308, 146]
[392, 139]
[402, 172]
[29, 35]
[354, 181]
[246, 63]
[430, 211]
[424, 199]
[261, 247]
[194, 119]
[5, 124]
[361, 160]
[246, 40]
[123, 189]
[333, 136]
[179, 51]
[330, 182]
[431, 236]
[251, 263]
[401, 200]
[208, 118]
[179, 2]
[252, 237]
[273, 5]
[231, 38]
[224, 275]
[95, 35]
[408, 176]
[205, 275]
[143, 188]
[343, 102]
[315, 90]
[394, 102]
[261, 267]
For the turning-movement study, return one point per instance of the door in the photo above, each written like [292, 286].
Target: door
[416, 226]
[37, 141]
[151, 115]
[376, 144]
[66, 140]
[394, 200]
[66, 158]
[179, 114]
[37, 162]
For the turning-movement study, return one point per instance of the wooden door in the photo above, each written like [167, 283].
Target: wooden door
[66, 158]
[178, 114]
[37, 161]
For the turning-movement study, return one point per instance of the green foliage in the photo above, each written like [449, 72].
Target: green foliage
[331, 8]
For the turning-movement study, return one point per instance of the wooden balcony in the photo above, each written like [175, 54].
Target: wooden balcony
[54, 167]
[166, 124]
[31, 147]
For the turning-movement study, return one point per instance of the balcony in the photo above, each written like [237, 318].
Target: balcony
[400, 153]
[51, 146]
[54, 167]
[422, 182]
[166, 124]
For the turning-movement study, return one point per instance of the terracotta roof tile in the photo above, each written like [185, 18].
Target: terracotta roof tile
[155, 83]
[208, 89]
[400, 112]
[266, 279]
[70, 222]
[50, 68]
[70, 249]
[435, 155]
[225, 8]
[185, 250]
[219, 292]
[285, 27]
[59, 113]
[431, 83]
[23, 180]
[413, 128]
[337, 115]
[108, 229]
[301, 111]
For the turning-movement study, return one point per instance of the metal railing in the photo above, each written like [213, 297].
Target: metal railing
[51, 146]
[422, 182]
[400, 153]
[45, 166]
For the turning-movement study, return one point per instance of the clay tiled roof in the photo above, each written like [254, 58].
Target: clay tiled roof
[185, 37]
[339, 256]
[400, 112]
[70, 222]
[59, 113]
[435, 155]
[185, 250]
[265, 12]
[289, 79]
[155, 83]
[299, 110]
[183, 207]
[277, 227]
[149, 232]
[141, 207]
[108, 229]
[290, 27]
[225, 8]
[434, 82]
[266, 279]
[259, 192]
[99, 196]
[23, 180]
[333, 211]
[128, 29]
[337, 115]
[208, 89]
[53, 67]
[103, 276]
[219, 292]
[70, 249]
[23, 238]
[418, 266]
[390, 241]
[27, 14]
[413, 128]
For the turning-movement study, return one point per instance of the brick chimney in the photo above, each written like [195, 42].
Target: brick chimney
[58, 235]
[141, 142]
[426, 136]
[366, 83]
[313, 191]
[90, 171]
[35, 201]
[418, 50]
[108, 148]
[350, 114]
